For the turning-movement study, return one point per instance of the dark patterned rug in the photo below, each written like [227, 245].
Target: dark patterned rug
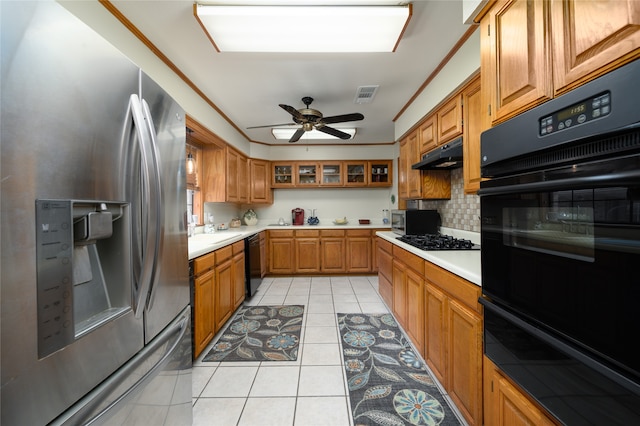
[260, 333]
[388, 383]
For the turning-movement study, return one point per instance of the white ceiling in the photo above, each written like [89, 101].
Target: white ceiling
[247, 87]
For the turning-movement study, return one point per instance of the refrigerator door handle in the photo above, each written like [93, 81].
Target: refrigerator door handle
[148, 205]
[83, 412]
[159, 194]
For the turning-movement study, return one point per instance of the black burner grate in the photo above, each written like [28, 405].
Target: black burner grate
[438, 242]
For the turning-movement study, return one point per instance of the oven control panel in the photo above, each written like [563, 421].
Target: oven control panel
[576, 114]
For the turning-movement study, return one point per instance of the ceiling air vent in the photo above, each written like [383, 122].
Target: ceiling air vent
[365, 94]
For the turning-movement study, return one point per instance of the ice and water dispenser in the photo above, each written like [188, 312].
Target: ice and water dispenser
[84, 268]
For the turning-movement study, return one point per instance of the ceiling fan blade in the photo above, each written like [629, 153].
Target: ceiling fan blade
[297, 135]
[342, 118]
[272, 125]
[294, 112]
[333, 132]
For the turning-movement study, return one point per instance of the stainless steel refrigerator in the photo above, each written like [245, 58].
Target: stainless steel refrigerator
[95, 322]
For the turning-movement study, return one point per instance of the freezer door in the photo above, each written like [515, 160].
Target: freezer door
[169, 292]
[65, 129]
[154, 388]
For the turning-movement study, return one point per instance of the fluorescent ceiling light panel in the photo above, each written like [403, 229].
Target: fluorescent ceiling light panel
[287, 132]
[303, 28]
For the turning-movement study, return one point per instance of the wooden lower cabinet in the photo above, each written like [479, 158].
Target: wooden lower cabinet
[281, 252]
[506, 405]
[203, 309]
[399, 292]
[415, 320]
[224, 293]
[239, 281]
[436, 332]
[454, 338]
[408, 294]
[307, 251]
[230, 282]
[385, 271]
[322, 251]
[441, 315]
[332, 251]
[219, 288]
[359, 250]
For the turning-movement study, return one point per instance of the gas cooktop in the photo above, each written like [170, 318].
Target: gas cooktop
[438, 242]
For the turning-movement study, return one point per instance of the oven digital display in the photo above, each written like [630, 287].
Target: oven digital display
[571, 111]
[576, 114]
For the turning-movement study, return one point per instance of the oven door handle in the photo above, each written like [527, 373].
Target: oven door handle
[561, 346]
[627, 177]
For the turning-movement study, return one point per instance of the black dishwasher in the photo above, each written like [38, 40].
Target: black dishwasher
[253, 263]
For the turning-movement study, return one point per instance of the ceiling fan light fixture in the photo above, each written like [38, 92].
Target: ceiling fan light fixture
[287, 132]
[335, 28]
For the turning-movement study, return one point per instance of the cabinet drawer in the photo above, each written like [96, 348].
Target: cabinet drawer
[203, 263]
[238, 247]
[385, 245]
[332, 233]
[358, 233]
[411, 260]
[223, 254]
[461, 289]
[281, 233]
[307, 233]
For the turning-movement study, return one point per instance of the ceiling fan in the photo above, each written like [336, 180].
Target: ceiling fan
[312, 119]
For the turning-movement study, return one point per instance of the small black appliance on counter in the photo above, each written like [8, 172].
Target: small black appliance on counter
[415, 222]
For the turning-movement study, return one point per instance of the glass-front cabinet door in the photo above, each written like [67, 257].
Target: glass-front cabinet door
[331, 174]
[307, 174]
[356, 172]
[282, 176]
[379, 173]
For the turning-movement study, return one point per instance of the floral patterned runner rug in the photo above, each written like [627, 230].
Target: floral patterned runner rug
[260, 333]
[388, 383]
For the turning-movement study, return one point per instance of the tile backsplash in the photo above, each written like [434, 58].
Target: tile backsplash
[462, 211]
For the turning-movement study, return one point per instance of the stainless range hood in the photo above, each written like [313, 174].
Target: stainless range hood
[445, 157]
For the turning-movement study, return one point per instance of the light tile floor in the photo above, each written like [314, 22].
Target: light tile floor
[307, 392]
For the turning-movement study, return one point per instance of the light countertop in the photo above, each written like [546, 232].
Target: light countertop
[464, 263]
[202, 244]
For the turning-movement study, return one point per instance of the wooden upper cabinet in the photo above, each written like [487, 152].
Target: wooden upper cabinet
[307, 174]
[237, 177]
[260, 191]
[450, 120]
[331, 173]
[412, 157]
[379, 172]
[473, 127]
[520, 65]
[356, 173]
[282, 175]
[243, 179]
[414, 184]
[591, 38]
[428, 135]
[532, 51]
[232, 175]
[403, 172]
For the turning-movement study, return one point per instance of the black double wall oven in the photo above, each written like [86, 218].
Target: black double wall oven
[560, 237]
